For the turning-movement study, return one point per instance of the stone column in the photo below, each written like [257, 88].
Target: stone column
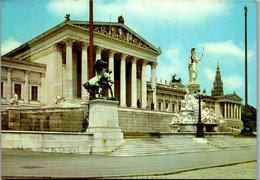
[69, 69]
[170, 105]
[153, 83]
[58, 75]
[111, 68]
[228, 111]
[237, 110]
[84, 68]
[123, 81]
[26, 87]
[133, 84]
[98, 52]
[177, 104]
[144, 86]
[163, 103]
[225, 111]
[232, 111]
[175, 107]
[8, 89]
[240, 112]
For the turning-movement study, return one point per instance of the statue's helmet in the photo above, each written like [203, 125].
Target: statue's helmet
[192, 50]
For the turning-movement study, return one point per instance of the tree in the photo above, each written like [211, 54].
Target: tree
[250, 122]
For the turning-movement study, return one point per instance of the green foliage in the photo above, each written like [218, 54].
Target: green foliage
[250, 122]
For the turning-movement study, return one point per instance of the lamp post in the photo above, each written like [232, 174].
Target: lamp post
[200, 125]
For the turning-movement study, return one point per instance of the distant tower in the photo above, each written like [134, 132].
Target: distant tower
[218, 84]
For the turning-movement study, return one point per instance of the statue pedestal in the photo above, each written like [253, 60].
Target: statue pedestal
[193, 87]
[103, 123]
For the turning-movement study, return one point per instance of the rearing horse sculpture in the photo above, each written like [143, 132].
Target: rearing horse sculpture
[96, 85]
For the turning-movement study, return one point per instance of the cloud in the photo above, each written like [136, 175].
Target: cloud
[226, 48]
[73, 7]
[171, 63]
[233, 82]
[9, 45]
[210, 73]
[194, 12]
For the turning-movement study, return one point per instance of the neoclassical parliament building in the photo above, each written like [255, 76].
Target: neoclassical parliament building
[56, 63]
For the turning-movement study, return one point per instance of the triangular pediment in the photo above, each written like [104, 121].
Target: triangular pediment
[118, 31]
[234, 96]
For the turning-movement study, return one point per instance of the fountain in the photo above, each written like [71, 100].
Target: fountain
[186, 120]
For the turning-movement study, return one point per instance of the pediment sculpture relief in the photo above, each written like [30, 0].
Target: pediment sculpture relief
[120, 33]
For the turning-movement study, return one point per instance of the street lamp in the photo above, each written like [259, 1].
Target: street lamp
[200, 125]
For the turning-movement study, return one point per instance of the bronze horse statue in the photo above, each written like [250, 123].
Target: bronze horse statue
[96, 85]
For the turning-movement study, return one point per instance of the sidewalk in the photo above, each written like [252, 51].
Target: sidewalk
[238, 171]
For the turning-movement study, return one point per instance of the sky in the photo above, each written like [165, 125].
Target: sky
[176, 26]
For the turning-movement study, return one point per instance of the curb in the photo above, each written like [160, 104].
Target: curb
[130, 175]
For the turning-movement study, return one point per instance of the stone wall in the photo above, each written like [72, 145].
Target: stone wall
[4, 120]
[131, 120]
[64, 142]
[70, 120]
[52, 119]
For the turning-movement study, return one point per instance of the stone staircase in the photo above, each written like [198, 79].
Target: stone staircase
[158, 146]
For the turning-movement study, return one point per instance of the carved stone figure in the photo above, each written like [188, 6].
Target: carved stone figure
[188, 101]
[58, 99]
[193, 71]
[14, 100]
[100, 82]
[121, 34]
[67, 16]
[121, 19]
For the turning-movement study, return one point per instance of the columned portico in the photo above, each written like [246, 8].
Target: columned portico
[144, 90]
[133, 84]
[26, 87]
[84, 68]
[111, 55]
[69, 68]
[153, 83]
[123, 80]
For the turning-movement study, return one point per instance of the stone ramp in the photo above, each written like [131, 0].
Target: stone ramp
[155, 146]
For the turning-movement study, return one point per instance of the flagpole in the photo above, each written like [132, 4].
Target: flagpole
[91, 62]
[246, 106]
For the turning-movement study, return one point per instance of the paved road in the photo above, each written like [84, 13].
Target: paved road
[21, 163]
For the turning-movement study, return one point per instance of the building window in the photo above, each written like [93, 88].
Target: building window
[159, 106]
[173, 108]
[34, 93]
[18, 90]
[2, 89]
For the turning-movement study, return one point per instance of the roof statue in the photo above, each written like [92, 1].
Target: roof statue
[96, 85]
[121, 19]
[174, 80]
[67, 16]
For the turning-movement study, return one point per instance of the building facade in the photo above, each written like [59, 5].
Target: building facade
[56, 63]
